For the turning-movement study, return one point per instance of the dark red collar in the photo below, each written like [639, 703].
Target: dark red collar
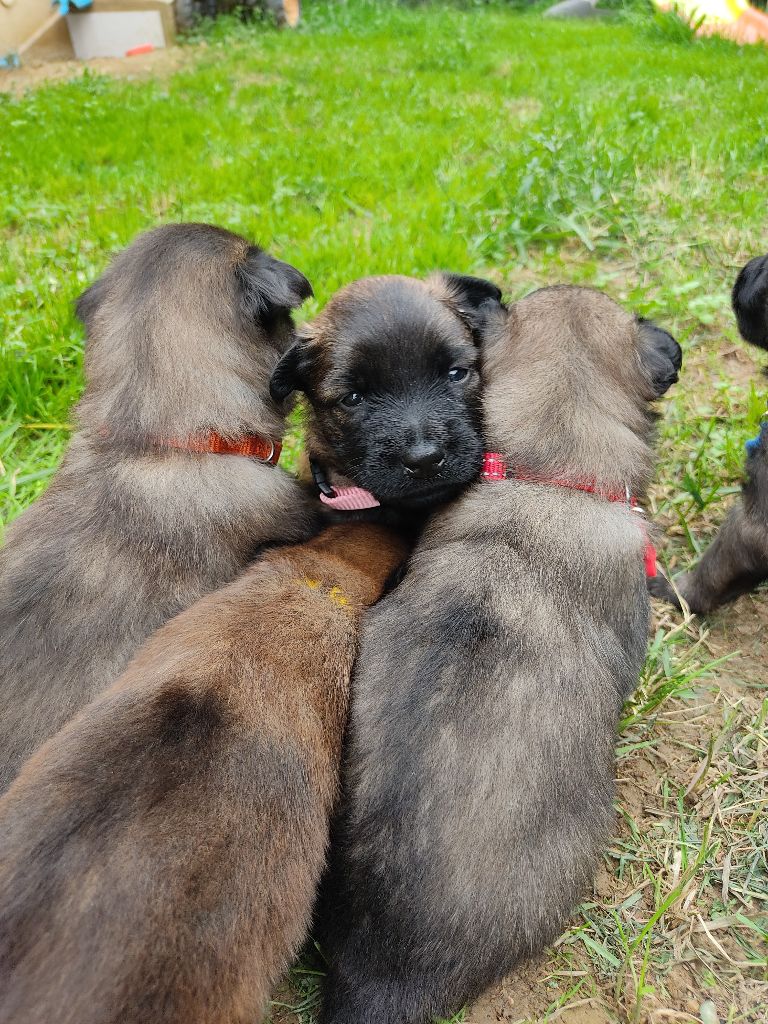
[252, 446]
[495, 468]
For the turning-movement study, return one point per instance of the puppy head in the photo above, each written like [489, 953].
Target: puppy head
[750, 301]
[569, 379]
[390, 369]
[183, 331]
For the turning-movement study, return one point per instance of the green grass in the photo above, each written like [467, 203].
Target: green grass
[383, 137]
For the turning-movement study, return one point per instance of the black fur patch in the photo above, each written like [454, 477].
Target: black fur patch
[185, 718]
[269, 287]
[750, 301]
[661, 356]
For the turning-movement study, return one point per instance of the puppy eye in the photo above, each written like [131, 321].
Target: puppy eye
[457, 373]
[351, 400]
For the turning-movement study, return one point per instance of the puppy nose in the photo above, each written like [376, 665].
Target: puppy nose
[423, 459]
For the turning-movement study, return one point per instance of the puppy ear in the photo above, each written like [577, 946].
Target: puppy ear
[269, 286]
[470, 291]
[473, 299]
[88, 304]
[661, 357]
[750, 301]
[290, 374]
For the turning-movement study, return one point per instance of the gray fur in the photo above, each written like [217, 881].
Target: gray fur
[488, 687]
[183, 332]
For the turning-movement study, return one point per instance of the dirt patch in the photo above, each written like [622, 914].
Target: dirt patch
[524, 108]
[527, 997]
[159, 63]
[741, 626]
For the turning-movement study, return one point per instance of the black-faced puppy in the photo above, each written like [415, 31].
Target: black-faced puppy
[737, 560]
[167, 488]
[489, 683]
[159, 856]
[391, 372]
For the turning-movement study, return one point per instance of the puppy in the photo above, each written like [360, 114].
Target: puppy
[488, 687]
[159, 856]
[168, 486]
[737, 560]
[390, 369]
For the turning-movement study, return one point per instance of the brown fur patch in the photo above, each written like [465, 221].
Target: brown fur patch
[159, 856]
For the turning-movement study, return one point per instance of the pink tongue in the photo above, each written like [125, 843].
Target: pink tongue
[349, 499]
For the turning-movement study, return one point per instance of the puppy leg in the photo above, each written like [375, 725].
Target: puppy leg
[737, 560]
[735, 563]
[355, 997]
[660, 587]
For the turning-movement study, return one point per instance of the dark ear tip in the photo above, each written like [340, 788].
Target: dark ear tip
[749, 299]
[305, 289]
[278, 392]
[676, 354]
[300, 286]
[471, 289]
[287, 376]
[269, 284]
[86, 304]
[661, 355]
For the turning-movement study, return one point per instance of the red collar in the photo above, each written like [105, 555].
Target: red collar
[495, 468]
[250, 445]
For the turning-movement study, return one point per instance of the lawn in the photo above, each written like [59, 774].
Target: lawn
[383, 138]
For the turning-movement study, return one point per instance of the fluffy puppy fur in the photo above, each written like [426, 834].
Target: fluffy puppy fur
[390, 369]
[159, 856]
[183, 332]
[488, 687]
[737, 560]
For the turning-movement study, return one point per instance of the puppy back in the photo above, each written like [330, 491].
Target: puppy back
[162, 851]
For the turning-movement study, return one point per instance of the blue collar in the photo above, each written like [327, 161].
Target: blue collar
[754, 442]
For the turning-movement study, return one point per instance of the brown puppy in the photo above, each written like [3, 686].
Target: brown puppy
[159, 856]
[737, 560]
[145, 514]
[390, 370]
[488, 688]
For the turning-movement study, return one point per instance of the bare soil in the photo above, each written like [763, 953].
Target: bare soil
[33, 74]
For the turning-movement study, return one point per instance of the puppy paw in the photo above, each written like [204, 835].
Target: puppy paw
[660, 587]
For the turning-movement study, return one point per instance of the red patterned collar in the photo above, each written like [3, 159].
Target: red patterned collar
[495, 468]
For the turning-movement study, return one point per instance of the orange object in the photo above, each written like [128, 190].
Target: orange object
[292, 12]
[732, 19]
[136, 50]
[751, 26]
[251, 445]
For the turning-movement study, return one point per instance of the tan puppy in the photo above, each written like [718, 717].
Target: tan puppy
[166, 490]
[159, 856]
